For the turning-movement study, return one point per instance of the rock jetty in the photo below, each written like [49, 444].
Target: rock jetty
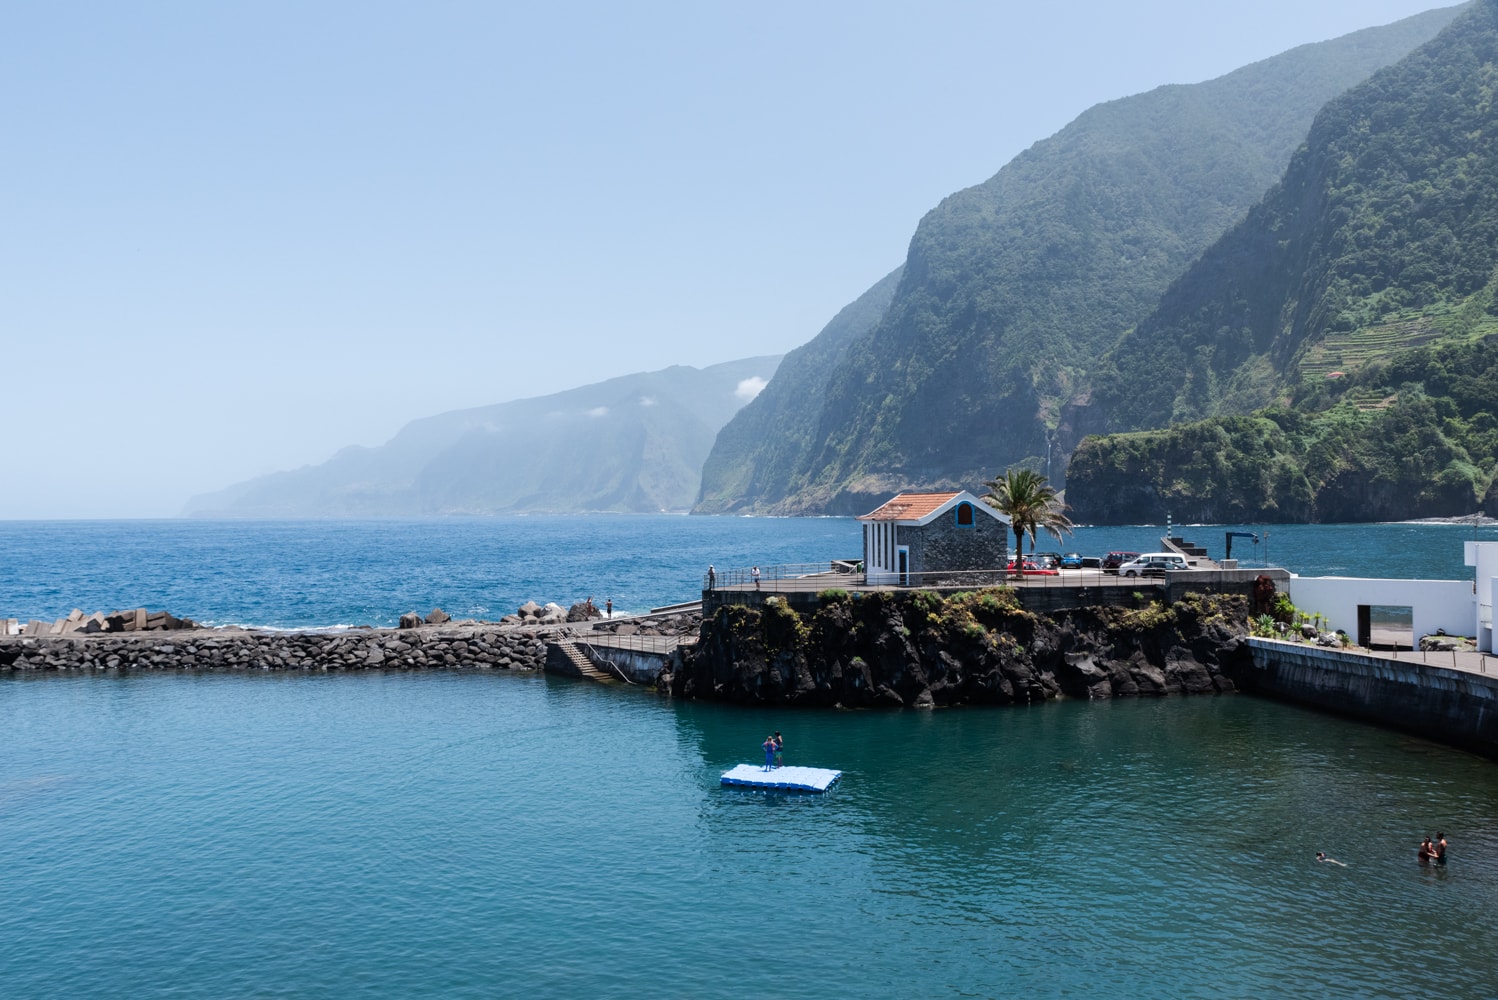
[138, 640]
[469, 646]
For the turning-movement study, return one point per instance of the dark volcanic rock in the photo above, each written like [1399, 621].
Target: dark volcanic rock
[911, 649]
[461, 647]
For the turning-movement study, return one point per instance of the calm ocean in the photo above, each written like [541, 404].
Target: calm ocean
[313, 574]
[479, 835]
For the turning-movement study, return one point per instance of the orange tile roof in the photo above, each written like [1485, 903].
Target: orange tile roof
[909, 506]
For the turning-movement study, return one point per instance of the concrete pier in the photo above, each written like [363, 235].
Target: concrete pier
[1450, 698]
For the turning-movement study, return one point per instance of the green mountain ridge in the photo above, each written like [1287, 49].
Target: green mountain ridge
[1361, 291]
[1014, 290]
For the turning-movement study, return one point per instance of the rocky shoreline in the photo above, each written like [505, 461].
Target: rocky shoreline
[880, 649]
[915, 649]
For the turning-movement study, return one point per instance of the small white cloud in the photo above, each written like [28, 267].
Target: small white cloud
[647, 401]
[749, 388]
[599, 411]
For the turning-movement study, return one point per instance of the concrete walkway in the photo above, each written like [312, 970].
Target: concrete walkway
[1475, 663]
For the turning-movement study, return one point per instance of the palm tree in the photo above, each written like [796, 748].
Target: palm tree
[1031, 505]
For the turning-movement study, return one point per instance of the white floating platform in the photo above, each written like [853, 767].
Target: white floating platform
[786, 779]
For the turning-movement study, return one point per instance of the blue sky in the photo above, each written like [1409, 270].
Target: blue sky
[239, 236]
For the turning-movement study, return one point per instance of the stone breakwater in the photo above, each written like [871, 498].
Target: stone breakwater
[137, 620]
[449, 647]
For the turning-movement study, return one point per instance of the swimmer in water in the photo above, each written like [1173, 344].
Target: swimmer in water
[1321, 856]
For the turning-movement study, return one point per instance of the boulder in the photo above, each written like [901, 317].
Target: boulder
[410, 619]
[438, 617]
[583, 611]
[530, 609]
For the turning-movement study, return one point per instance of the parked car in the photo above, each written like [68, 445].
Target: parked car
[1113, 560]
[1046, 560]
[1072, 560]
[1153, 564]
[1031, 569]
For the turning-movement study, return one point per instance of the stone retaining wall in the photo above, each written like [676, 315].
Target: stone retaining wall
[479, 647]
[1455, 707]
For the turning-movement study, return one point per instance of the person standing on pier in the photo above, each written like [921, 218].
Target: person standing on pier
[754, 575]
[712, 577]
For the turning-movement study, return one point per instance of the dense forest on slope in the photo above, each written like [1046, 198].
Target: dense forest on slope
[631, 444]
[1410, 437]
[1382, 234]
[765, 451]
[1013, 289]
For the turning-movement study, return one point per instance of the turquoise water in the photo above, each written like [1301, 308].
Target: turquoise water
[302, 574]
[500, 835]
[496, 835]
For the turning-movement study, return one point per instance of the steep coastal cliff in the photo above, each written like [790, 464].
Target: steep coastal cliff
[922, 650]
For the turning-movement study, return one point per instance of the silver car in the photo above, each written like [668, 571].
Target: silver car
[1153, 564]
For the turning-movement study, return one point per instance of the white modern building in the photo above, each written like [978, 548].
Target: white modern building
[1417, 608]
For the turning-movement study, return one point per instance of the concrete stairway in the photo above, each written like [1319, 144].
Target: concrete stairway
[580, 660]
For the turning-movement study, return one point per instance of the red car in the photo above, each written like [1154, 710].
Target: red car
[1113, 560]
[1033, 570]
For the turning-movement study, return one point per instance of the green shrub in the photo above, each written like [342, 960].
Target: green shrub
[923, 609]
[1153, 615]
[783, 629]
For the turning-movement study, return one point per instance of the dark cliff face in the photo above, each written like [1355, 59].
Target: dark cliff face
[920, 650]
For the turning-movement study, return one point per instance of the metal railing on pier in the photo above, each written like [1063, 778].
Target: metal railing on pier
[634, 642]
[601, 659]
[803, 577]
[786, 576]
[1083, 585]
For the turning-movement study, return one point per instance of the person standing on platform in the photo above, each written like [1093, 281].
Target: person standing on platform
[608, 607]
[754, 575]
[779, 749]
[712, 577]
[769, 753]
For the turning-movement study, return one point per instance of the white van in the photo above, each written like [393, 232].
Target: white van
[1153, 564]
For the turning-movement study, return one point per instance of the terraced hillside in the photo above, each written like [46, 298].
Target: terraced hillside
[1346, 352]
